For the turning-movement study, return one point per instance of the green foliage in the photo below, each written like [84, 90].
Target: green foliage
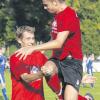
[88, 11]
[7, 23]
[90, 25]
[30, 12]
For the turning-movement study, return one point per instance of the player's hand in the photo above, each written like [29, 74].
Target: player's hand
[24, 52]
[46, 71]
[23, 76]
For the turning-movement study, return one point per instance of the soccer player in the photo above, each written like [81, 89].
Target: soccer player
[66, 41]
[27, 82]
[2, 69]
[26, 75]
[66, 45]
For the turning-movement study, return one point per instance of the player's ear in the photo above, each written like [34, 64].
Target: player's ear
[19, 40]
[54, 2]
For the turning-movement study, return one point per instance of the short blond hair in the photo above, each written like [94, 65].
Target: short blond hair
[20, 30]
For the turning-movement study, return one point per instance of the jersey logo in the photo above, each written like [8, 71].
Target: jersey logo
[54, 27]
[34, 69]
[77, 83]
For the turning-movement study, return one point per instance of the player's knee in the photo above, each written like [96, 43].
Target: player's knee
[51, 66]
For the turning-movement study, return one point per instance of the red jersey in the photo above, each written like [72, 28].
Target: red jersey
[67, 20]
[20, 89]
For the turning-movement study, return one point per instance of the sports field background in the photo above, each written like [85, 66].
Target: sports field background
[49, 95]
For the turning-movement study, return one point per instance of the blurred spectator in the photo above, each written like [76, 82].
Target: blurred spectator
[90, 67]
[84, 63]
[2, 69]
[89, 64]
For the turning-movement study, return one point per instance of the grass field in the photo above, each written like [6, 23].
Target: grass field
[49, 95]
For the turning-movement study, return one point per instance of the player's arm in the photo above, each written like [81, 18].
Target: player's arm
[31, 77]
[54, 44]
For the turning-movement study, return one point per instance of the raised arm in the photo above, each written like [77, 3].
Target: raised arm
[54, 44]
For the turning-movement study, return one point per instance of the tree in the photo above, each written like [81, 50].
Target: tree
[90, 25]
[14, 13]
[7, 23]
[31, 12]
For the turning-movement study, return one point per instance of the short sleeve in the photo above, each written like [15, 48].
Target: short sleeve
[68, 22]
[17, 67]
[41, 59]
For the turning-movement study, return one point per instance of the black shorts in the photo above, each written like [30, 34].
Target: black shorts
[70, 71]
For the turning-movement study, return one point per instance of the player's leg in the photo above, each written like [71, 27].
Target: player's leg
[2, 81]
[54, 83]
[70, 93]
[80, 97]
[72, 74]
[53, 79]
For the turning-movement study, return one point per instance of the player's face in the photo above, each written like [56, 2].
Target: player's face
[27, 39]
[50, 6]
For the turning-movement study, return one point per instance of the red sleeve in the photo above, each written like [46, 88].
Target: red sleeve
[44, 59]
[63, 24]
[17, 67]
[41, 59]
[68, 22]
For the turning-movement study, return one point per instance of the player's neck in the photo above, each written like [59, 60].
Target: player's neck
[62, 7]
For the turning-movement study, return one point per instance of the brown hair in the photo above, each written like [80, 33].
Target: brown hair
[20, 30]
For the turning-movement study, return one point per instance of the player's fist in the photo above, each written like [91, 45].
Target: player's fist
[49, 68]
[46, 70]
